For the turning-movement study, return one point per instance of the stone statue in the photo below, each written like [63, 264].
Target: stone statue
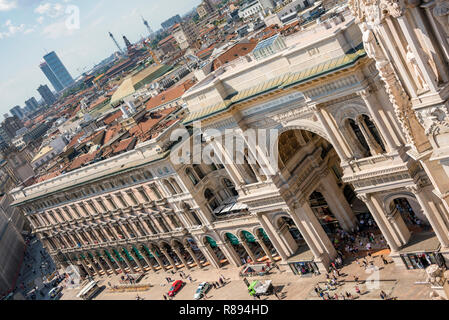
[441, 14]
[372, 48]
[411, 59]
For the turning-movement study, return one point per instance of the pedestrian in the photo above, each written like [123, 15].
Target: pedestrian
[218, 284]
[382, 296]
[357, 289]
[214, 285]
[276, 294]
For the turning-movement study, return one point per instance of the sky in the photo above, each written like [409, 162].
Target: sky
[77, 30]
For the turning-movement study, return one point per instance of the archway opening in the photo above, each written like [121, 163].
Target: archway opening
[212, 246]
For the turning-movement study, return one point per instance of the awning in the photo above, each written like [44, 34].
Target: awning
[232, 207]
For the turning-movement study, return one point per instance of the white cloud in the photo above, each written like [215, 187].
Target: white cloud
[40, 20]
[6, 5]
[57, 30]
[11, 29]
[52, 10]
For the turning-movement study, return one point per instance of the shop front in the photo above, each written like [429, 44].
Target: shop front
[304, 268]
[422, 260]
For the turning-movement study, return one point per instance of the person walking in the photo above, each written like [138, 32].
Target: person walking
[357, 289]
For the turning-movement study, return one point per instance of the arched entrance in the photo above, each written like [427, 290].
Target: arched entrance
[238, 247]
[215, 252]
[262, 236]
[411, 213]
[195, 252]
[324, 214]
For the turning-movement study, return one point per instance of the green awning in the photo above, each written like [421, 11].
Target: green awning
[249, 237]
[109, 256]
[212, 242]
[148, 251]
[234, 240]
[137, 253]
[128, 255]
[264, 235]
[118, 255]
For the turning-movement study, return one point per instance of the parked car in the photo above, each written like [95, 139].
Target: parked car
[55, 293]
[177, 285]
[202, 289]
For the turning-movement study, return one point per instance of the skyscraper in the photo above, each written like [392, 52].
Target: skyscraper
[17, 111]
[46, 94]
[51, 77]
[32, 104]
[59, 71]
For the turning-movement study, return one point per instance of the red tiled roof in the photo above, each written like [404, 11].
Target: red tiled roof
[92, 136]
[49, 176]
[125, 144]
[74, 140]
[169, 95]
[238, 50]
[166, 39]
[113, 117]
[111, 132]
[81, 160]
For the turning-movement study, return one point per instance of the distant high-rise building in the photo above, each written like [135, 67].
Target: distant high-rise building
[170, 22]
[116, 43]
[59, 71]
[46, 94]
[32, 104]
[145, 22]
[51, 77]
[17, 111]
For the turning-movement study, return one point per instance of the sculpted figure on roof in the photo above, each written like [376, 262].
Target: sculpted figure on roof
[373, 12]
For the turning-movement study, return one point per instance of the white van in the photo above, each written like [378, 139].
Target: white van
[89, 290]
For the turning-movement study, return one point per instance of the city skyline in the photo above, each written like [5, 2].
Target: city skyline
[40, 27]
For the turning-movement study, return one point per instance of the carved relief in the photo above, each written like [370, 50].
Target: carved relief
[434, 120]
[374, 12]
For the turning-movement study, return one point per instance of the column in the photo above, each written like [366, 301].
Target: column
[147, 259]
[374, 147]
[93, 264]
[248, 250]
[210, 255]
[144, 225]
[265, 248]
[367, 199]
[232, 255]
[193, 255]
[337, 202]
[109, 263]
[112, 228]
[119, 263]
[229, 165]
[172, 262]
[86, 267]
[418, 53]
[136, 258]
[373, 106]
[98, 259]
[158, 259]
[179, 254]
[331, 135]
[438, 225]
[127, 261]
[271, 235]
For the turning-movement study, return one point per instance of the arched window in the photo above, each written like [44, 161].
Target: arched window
[374, 132]
[230, 187]
[169, 187]
[211, 199]
[191, 176]
[198, 171]
[360, 138]
[175, 185]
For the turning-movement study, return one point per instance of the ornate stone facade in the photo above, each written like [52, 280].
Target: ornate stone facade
[354, 142]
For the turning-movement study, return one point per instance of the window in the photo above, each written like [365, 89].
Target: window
[211, 199]
[169, 187]
[144, 195]
[156, 192]
[230, 187]
[192, 177]
[198, 171]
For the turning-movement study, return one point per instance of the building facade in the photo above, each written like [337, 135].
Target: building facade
[17, 111]
[357, 140]
[58, 69]
[46, 94]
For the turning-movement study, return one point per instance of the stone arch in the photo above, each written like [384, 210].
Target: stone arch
[349, 111]
[303, 124]
[388, 200]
